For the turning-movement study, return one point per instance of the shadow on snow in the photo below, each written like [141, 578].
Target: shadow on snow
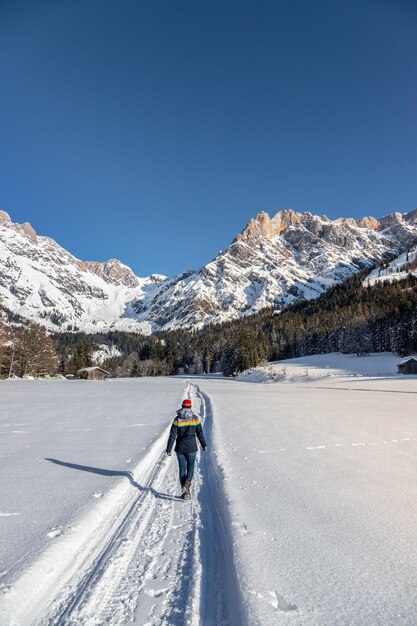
[107, 472]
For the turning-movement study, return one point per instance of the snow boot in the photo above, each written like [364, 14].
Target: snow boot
[187, 486]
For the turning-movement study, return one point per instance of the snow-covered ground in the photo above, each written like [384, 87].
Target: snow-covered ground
[92, 529]
[320, 366]
[397, 269]
[63, 446]
[321, 484]
[303, 510]
[104, 352]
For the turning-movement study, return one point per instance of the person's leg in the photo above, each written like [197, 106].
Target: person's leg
[182, 464]
[190, 457]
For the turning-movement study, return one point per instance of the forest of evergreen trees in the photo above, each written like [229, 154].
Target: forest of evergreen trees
[350, 318]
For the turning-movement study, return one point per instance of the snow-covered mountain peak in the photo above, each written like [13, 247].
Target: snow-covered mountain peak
[273, 262]
[264, 226]
[112, 271]
[157, 278]
[411, 217]
[284, 219]
[5, 218]
[368, 222]
[400, 227]
[25, 229]
[42, 281]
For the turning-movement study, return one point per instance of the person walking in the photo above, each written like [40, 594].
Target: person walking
[184, 430]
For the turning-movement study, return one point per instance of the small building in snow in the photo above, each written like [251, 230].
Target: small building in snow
[93, 373]
[408, 366]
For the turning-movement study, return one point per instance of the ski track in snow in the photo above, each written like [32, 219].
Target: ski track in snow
[166, 562]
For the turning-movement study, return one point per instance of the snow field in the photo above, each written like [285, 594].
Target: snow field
[321, 366]
[79, 550]
[320, 482]
[100, 425]
[93, 434]
[303, 511]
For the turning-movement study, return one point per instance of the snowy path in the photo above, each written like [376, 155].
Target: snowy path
[222, 602]
[159, 560]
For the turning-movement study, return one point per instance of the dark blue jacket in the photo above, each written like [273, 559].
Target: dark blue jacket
[185, 428]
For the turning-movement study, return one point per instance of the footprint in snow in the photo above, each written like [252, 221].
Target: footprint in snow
[5, 588]
[241, 528]
[155, 593]
[280, 603]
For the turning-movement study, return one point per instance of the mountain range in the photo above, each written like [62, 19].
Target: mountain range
[273, 262]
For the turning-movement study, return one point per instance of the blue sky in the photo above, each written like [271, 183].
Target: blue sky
[153, 131]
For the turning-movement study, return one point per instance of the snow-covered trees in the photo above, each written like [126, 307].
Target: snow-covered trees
[129, 366]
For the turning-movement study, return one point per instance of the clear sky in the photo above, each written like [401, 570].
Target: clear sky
[152, 131]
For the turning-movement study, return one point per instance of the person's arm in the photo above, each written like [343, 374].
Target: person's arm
[172, 436]
[200, 435]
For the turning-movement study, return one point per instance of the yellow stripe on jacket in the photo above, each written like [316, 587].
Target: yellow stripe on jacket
[180, 423]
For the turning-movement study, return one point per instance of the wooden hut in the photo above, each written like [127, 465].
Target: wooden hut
[93, 373]
[408, 366]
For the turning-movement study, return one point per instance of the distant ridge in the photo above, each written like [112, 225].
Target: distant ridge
[272, 262]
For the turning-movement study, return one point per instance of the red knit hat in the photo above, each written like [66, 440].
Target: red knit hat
[186, 403]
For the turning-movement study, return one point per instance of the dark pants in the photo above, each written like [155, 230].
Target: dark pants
[186, 461]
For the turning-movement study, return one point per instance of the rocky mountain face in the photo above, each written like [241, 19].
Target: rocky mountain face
[272, 262]
[41, 281]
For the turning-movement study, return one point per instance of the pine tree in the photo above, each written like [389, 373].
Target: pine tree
[81, 357]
